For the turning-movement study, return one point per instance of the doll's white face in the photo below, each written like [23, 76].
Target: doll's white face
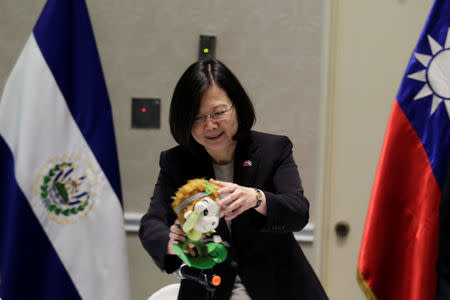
[209, 215]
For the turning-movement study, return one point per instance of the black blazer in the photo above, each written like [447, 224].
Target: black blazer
[263, 250]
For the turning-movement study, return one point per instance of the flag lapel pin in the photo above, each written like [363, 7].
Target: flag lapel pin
[247, 163]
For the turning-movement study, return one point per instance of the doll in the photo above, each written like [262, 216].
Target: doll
[195, 204]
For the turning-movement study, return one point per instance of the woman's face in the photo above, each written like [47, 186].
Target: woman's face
[216, 135]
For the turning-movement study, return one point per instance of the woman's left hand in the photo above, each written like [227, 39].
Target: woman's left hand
[240, 198]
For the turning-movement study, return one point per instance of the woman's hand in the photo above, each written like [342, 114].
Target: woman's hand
[176, 236]
[240, 199]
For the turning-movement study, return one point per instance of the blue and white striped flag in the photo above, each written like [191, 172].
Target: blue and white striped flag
[61, 219]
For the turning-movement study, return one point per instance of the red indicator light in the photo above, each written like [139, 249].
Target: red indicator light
[143, 109]
[216, 280]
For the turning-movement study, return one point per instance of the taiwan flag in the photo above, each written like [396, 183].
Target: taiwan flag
[399, 249]
[61, 219]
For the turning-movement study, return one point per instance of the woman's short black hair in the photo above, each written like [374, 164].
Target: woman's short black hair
[189, 91]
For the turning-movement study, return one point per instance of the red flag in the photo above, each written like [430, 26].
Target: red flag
[399, 248]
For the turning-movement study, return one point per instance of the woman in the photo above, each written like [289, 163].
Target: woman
[211, 118]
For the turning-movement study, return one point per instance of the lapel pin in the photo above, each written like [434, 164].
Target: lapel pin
[247, 163]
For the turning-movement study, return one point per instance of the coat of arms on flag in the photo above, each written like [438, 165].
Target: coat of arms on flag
[68, 187]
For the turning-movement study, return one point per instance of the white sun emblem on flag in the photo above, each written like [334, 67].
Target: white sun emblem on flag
[436, 74]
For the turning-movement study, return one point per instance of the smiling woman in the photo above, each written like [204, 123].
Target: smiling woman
[209, 88]
[216, 132]
[261, 194]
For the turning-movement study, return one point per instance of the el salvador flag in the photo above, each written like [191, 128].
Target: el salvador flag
[61, 219]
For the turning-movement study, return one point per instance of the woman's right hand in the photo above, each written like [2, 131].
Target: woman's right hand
[176, 236]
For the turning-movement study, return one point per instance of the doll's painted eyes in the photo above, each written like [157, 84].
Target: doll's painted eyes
[205, 212]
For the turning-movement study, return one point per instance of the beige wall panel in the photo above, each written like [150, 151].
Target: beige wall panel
[372, 42]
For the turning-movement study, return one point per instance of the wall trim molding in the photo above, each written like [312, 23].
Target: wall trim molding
[132, 226]
[132, 221]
